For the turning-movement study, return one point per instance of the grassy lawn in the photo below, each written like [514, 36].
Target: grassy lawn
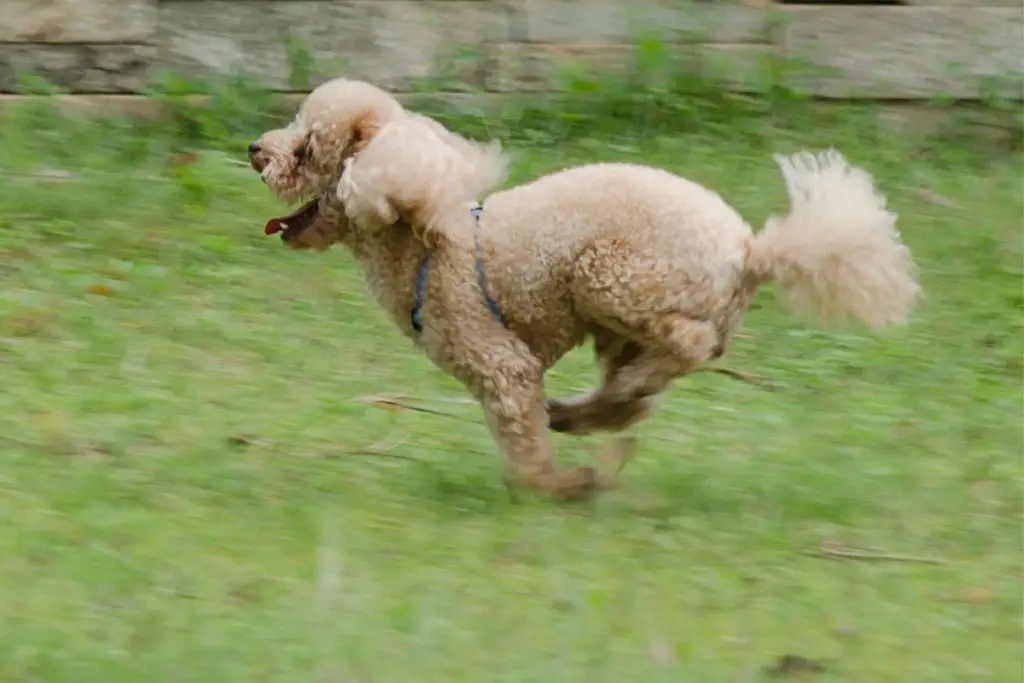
[185, 493]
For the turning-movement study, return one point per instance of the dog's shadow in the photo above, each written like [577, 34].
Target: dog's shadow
[662, 499]
[460, 488]
[456, 492]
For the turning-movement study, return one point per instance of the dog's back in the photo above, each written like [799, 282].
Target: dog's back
[660, 221]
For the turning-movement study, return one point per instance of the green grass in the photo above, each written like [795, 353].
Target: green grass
[180, 501]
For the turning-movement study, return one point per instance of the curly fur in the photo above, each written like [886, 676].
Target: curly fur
[656, 270]
[417, 170]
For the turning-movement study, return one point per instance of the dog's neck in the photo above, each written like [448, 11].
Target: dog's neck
[390, 260]
[397, 264]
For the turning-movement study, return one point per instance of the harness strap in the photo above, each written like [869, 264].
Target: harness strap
[421, 284]
[476, 211]
[421, 278]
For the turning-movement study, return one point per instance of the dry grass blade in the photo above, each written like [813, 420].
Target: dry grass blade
[615, 456]
[461, 400]
[395, 404]
[385, 445]
[383, 449]
[846, 553]
[392, 456]
[935, 198]
[735, 374]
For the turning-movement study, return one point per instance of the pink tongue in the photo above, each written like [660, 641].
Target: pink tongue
[274, 225]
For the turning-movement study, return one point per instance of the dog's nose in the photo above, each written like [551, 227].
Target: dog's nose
[254, 148]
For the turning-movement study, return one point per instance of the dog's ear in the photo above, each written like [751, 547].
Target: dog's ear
[327, 152]
[364, 130]
[322, 152]
[301, 149]
[439, 175]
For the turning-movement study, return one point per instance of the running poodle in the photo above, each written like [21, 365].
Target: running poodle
[655, 269]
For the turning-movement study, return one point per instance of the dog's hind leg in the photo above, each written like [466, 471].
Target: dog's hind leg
[649, 331]
[590, 412]
[577, 416]
[635, 372]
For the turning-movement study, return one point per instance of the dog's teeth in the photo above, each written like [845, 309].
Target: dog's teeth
[284, 226]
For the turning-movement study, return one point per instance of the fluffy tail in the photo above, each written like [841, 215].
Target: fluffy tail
[837, 254]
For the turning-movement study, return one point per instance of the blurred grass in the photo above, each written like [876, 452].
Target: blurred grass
[178, 397]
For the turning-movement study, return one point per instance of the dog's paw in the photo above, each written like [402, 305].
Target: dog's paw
[561, 417]
[575, 483]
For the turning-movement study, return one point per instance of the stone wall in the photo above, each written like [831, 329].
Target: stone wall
[921, 49]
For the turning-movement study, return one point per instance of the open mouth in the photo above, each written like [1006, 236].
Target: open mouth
[294, 223]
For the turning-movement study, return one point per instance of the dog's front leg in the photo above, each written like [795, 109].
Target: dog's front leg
[518, 421]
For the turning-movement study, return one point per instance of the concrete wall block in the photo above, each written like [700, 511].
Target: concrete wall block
[619, 21]
[564, 67]
[741, 68]
[390, 43]
[77, 21]
[966, 3]
[523, 67]
[78, 68]
[906, 52]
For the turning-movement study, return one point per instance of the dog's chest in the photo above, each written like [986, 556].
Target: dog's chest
[389, 270]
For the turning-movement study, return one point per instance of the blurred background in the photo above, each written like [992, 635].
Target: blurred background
[213, 466]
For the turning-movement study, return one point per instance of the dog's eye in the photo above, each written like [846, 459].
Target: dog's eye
[300, 153]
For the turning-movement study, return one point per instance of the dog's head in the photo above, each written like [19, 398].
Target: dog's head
[305, 159]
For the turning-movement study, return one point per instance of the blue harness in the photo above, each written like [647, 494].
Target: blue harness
[424, 269]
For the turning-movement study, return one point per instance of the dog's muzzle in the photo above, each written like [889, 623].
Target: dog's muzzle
[256, 158]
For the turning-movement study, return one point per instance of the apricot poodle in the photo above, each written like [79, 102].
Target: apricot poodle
[655, 269]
